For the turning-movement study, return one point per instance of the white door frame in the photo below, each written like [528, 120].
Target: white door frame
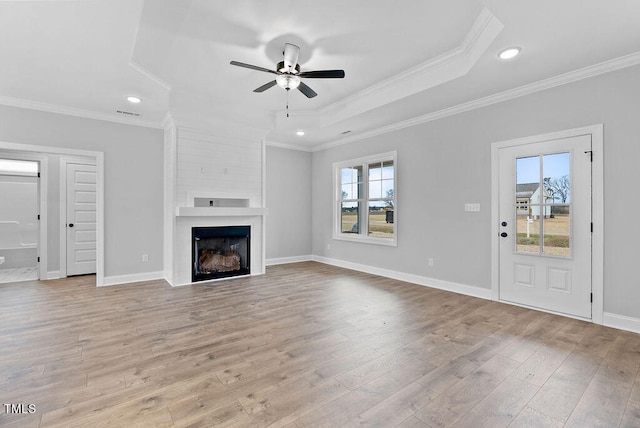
[99, 161]
[597, 214]
[64, 161]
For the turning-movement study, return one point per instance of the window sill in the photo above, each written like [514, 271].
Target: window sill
[388, 242]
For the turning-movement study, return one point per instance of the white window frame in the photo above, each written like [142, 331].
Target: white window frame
[362, 236]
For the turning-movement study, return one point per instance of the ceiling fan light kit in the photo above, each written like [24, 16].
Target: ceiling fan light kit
[288, 81]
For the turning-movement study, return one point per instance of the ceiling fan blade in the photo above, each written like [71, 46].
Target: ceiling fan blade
[265, 86]
[310, 93]
[253, 67]
[291, 53]
[323, 74]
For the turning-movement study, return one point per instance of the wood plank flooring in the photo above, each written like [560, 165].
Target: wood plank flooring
[306, 345]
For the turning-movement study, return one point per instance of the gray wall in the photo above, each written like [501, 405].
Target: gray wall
[133, 167]
[445, 163]
[288, 188]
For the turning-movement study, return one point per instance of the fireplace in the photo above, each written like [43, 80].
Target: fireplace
[220, 252]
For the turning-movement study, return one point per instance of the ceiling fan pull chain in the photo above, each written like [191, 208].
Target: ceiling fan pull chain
[287, 102]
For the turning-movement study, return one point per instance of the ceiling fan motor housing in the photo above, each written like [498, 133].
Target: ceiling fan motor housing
[282, 69]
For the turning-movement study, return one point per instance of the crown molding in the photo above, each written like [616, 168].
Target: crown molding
[168, 122]
[71, 111]
[436, 71]
[562, 79]
[280, 145]
[149, 75]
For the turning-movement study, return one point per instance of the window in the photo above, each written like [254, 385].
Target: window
[366, 207]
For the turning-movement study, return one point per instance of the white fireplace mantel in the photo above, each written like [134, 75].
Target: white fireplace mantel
[219, 211]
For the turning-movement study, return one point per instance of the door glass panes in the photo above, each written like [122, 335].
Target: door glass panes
[349, 213]
[556, 169]
[528, 235]
[557, 232]
[527, 205]
[543, 204]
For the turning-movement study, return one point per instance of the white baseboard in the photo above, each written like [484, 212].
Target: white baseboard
[136, 277]
[286, 260]
[54, 274]
[621, 322]
[469, 290]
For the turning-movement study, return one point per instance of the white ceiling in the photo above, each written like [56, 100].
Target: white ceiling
[402, 59]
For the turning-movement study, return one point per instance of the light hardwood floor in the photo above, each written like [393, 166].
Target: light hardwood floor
[306, 345]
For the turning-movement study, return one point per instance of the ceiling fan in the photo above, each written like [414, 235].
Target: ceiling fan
[288, 74]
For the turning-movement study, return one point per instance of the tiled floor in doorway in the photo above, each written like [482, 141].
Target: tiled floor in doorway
[18, 274]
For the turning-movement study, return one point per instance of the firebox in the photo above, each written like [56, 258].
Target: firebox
[220, 252]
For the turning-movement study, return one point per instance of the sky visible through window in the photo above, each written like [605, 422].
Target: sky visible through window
[554, 167]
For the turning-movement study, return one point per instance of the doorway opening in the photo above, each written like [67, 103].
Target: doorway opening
[19, 219]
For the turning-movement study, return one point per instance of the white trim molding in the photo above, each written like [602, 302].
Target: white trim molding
[287, 260]
[552, 82]
[72, 111]
[54, 274]
[469, 290]
[621, 322]
[132, 278]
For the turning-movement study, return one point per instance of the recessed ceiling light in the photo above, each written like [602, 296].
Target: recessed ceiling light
[509, 53]
[300, 133]
[134, 100]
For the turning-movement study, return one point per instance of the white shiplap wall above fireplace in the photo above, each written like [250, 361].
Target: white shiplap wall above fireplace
[218, 165]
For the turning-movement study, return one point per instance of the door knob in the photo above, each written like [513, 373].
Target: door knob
[503, 234]
[70, 224]
[504, 224]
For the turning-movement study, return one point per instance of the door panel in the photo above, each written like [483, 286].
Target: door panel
[81, 219]
[545, 215]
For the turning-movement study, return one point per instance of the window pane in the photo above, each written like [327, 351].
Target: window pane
[346, 175]
[380, 223]
[557, 177]
[557, 232]
[347, 191]
[18, 167]
[527, 235]
[387, 170]
[349, 217]
[527, 205]
[375, 189]
[375, 171]
[387, 189]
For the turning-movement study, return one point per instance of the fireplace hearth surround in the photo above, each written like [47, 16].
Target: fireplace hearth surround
[220, 252]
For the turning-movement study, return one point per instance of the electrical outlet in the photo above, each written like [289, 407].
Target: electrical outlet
[328, 246]
[145, 258]
[474, 208]
[430, 262]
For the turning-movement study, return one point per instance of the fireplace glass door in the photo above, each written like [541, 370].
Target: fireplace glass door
[220, 252]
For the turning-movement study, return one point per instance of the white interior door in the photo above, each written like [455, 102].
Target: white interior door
[545, 225]
[81, 219]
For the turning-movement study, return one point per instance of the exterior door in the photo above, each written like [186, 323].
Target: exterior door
[545, 225]
[81, 219]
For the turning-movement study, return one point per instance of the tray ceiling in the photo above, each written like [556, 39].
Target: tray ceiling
[402, 59]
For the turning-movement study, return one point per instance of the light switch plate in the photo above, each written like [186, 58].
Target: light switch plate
[474, 207]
